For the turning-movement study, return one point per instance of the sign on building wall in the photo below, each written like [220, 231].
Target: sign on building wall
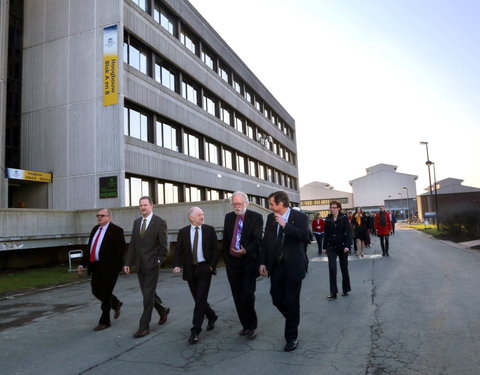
[20, 174]
[108, 187]
[110, 65]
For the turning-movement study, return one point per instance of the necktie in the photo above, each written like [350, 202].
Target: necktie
[195, 247]
[144, 226]
[94, 247]
[237, 235]
[279, 244]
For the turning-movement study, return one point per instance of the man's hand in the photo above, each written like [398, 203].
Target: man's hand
[263, 270]
[176, 269]
[346, 250]
[126, 269]
[80, 269]
[280, 220]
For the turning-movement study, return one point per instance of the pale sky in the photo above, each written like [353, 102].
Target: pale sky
[366, 80]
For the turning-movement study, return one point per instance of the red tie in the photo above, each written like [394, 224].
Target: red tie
[92, 253]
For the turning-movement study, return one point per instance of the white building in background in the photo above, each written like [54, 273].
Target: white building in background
[383, 185]
[316, 196]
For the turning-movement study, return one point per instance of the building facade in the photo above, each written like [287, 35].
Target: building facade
[124, 98]
[384, 186]
[450, 199]
[316, 197]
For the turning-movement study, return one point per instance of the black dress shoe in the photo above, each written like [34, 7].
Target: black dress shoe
[211, 323]
[243, 332]
[332, 297]
[291, 345]
[250, 333]
[141, 333]
[344, 294]
[193, 339]
[101, 327]
[117, 310]
[164, 316]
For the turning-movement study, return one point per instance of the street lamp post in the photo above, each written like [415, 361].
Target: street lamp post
[435, 186]
[428, 163]
[408, 205]
[401, 201]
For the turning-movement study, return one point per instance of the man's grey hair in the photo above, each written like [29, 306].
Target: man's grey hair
[245, 196]
[106, 209]
[191, 210]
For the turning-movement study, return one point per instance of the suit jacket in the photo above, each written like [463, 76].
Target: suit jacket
[183, 252]
[296, 236]
[112, 250]
[149, 251]
[338, 234]
[251, 237]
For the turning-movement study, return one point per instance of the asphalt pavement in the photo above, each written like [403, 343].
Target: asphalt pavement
[415, 312]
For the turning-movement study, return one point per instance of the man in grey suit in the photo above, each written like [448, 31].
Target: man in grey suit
[148, 248]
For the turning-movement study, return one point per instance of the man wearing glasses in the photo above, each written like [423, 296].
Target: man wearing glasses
[242, 235]
[104, 261]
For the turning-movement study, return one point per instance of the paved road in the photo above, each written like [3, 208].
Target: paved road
[415, 312]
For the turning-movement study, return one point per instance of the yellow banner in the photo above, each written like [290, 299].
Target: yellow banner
[20, 174]
[110, 66]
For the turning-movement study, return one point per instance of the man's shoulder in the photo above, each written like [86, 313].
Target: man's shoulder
[206, 227]
[114, 227]
[156, 218]
[253, 214]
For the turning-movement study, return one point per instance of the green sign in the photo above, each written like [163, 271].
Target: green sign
[108, 187]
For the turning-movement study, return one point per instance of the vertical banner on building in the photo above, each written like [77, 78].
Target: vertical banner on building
[110, 65]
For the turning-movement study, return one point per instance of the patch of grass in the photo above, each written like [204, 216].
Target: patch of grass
[443, 235]
[30, 279]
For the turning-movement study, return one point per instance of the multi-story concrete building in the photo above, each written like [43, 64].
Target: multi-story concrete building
[103, 101]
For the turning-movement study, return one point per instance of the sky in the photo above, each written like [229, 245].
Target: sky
[366, 81]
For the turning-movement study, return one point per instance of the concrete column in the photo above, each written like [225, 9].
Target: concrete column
[4, 11]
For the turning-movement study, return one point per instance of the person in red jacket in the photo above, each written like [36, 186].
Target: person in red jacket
[383, 226]
[318, 229]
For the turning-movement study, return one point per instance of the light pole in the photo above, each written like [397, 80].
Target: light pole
[408, 205]
[428, 163]
[401, 202]
[435, 185]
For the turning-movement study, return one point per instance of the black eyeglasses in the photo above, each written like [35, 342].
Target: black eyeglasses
[101, 215]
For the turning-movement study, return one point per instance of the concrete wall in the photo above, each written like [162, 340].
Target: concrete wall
[30, 228]
[66, 129]
[3, 98]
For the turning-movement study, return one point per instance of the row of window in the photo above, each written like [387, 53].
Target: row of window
[140, 57]
[171, 23]
[164, 192]
[320, 202]
[150, 127]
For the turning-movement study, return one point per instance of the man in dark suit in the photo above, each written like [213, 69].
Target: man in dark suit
[197, 253]
[148, 248]
[283, 258]
[242, 235]
[104, 261]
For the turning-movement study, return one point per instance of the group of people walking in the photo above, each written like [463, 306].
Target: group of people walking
[249, 250]
[338, 231]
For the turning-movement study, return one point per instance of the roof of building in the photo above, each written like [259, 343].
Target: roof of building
[386, 168]
[452, 186]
